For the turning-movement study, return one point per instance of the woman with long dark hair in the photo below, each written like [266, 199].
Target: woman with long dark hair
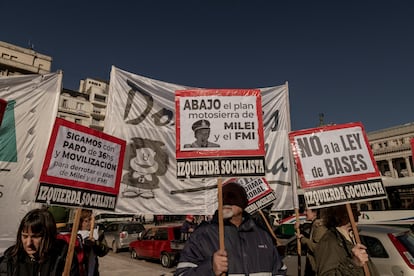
[338, 253]
[37, 251]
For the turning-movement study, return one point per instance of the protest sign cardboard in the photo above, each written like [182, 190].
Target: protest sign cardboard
[3, 105]
[258, 191]
[219, 133]
[412, 148]
[336, 165]
[82, 168]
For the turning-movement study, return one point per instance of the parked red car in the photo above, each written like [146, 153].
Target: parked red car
[159, 243]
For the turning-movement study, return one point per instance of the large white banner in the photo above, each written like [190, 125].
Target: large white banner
[142, 112]
[32, 103]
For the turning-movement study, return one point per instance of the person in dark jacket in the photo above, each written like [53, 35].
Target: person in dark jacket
[317, 231]
[37, 251]
[338, 253]
[249, 249]
[187, 227]
[93, 246]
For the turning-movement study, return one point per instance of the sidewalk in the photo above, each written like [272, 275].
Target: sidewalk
[117, 264]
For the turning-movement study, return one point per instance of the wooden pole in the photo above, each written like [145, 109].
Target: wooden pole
[269, 227]
[71, 249]
[356, 234]
[220, 215]
[298, 244]
[92, 227]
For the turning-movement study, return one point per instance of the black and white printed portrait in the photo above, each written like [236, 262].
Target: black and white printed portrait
[201, 130]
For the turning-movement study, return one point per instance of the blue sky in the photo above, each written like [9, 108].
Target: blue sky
[351, 60]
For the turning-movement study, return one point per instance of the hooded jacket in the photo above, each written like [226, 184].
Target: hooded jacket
[250, 250]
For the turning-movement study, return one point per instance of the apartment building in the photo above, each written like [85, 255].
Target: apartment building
[15, 60]
[75, 106]
[97, 90]
[87, 106]
[392, 152]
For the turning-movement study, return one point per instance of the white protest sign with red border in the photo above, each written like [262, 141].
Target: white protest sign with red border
[232, 122]
[336, 165]
[82, 167]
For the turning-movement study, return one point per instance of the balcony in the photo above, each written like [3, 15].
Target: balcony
[98, 114]
[96, 124]
[74, 111]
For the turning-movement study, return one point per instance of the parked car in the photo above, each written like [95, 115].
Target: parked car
[118, 235]
[159, 243]
[390, 248]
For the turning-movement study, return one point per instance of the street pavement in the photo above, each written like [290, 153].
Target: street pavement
[114, 264]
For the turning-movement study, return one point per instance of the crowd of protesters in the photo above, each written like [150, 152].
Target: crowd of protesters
[331, 246]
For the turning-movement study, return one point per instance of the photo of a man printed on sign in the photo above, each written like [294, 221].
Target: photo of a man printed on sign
[201, 130]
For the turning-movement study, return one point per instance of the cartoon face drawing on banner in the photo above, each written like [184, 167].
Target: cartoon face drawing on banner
[147, 160]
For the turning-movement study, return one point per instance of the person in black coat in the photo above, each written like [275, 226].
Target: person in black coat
[37, 251]
[93, 246]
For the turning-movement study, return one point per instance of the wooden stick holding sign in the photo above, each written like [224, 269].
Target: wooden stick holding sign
[220, 214]
[269, 227]
[355, 231]
[92, 227]
[71, 249]
[298, 243]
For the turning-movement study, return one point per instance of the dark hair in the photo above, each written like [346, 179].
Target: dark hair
[39, 221]
[84, 214]
[338, 215]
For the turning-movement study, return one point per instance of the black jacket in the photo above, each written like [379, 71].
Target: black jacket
[93, 250]
[21, 265]
[250, 249]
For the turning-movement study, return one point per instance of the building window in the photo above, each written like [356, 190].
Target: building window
[100, 98]
[79, 106]
[65, 103]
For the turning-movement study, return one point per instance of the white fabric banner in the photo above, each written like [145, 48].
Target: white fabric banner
[142, 112]
[24, 136]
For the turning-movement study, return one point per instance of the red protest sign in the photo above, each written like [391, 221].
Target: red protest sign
[82, 167]
[219, 132]
[336, 165]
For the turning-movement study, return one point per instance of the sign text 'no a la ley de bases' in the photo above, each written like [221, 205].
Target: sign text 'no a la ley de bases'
[336, 165]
